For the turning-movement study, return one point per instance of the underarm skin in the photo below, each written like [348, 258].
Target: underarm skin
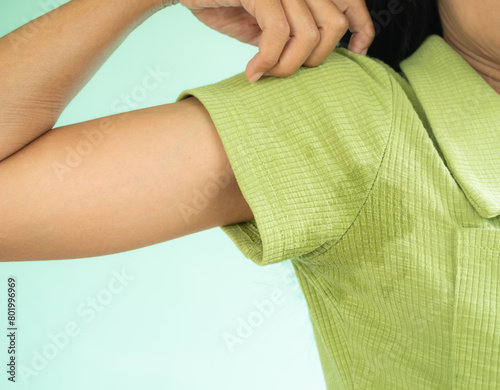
[41, 74]
[137, 174]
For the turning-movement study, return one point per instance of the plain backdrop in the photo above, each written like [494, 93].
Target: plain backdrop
[191, 313]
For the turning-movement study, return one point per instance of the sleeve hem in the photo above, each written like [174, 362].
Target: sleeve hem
[228, 123]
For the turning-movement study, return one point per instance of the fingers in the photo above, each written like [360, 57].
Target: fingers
[332, 25]
[304, 38]
[305, 32]
[275, 33]
[360, 24]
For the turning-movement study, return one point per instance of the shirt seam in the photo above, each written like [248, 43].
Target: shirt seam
[328, 245]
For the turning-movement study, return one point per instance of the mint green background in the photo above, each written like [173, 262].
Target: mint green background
[165, 329]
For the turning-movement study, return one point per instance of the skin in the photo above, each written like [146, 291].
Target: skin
[289, 33]
[472, 29]
[127, 191]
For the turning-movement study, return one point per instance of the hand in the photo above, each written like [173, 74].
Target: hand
[289, 33]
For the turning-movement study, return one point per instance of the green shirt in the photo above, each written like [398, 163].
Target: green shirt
[383, 189]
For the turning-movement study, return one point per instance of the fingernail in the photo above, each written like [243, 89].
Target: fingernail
[256, 76]
[363, 53]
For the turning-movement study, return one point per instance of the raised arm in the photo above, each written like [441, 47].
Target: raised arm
[126, 181]
[41, 72]
[117, 183]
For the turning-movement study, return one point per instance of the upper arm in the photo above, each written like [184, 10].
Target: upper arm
[118, 183]
[306, 151]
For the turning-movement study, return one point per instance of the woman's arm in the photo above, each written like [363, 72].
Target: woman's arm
[117, 183]
[111, 184]
[44, 63]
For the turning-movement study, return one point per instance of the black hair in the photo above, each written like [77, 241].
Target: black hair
[400, 28]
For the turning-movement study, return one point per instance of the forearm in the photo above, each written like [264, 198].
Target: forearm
[41, 72]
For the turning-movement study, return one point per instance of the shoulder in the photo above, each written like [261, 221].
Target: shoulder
[346, 85]
[342, 71]
[347, 100]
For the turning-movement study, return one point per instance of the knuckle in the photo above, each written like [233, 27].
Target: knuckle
[281, 27]
[370, 30]
[342, 22]
[330, 23]
[313, 34]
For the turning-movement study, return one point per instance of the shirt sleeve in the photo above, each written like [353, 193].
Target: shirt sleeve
[305, 150]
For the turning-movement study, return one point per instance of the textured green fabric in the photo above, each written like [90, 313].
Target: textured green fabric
[383, 189]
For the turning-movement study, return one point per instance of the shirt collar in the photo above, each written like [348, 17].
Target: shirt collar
[464, 114]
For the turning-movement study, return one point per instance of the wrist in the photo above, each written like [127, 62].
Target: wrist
[147, 7]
